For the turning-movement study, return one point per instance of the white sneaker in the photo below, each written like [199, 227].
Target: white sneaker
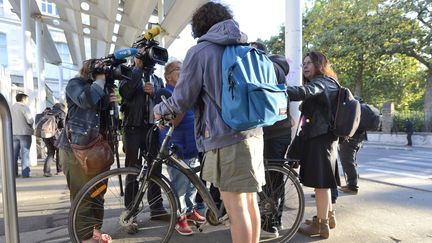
[274, 233]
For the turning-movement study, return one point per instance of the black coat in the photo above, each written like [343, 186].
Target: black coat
[281, 129]
[137, 112]
[319, 99]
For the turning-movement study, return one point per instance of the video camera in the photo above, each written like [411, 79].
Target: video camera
[112, 65]
[153, 54]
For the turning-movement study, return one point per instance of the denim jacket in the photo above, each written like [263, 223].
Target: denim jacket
[86, 104]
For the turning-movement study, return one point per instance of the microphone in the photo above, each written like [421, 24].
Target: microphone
[151, 33]
[123, 53]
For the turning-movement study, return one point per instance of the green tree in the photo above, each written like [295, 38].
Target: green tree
[276, 44]
[356, 35]
[412, 37]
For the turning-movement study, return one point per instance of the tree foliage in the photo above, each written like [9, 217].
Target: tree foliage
[380, 49]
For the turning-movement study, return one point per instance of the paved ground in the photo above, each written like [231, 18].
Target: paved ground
[394, 203]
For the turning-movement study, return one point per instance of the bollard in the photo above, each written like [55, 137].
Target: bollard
[7, 174]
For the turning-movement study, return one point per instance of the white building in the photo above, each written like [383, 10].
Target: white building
[11, 54]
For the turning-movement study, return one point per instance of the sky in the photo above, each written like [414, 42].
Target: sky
[259, 19]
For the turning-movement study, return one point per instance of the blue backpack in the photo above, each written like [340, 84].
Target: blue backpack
[251, 95]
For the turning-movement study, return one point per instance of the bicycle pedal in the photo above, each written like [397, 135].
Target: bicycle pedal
[197, 225]
[202, 226]
[225, 220]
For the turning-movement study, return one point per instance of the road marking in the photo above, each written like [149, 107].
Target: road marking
[397, 173]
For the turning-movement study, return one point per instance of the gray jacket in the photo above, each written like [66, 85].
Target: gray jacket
[22, 120]
[200, 86]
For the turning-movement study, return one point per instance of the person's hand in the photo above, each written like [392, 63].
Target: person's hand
[158, 117]
[148, 88]
[137, 61]
[112, 97]
[100, 76]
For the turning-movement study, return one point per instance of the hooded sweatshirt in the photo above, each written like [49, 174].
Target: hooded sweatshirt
[200, 86]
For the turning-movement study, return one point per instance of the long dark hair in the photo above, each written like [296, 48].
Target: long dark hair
[208, 15]
[85, 70]
[321, 63]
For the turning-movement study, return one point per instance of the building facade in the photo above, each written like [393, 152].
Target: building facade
[11, 64]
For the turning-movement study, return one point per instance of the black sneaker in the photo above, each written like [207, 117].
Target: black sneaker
[349, 190]
[47, 174]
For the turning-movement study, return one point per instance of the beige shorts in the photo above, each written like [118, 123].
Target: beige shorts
[236, 168]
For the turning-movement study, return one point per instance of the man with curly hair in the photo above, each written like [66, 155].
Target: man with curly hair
[233, 161]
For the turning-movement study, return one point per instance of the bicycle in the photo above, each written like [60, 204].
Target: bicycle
[106, 191]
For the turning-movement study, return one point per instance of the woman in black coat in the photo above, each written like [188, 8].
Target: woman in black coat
[319, 145]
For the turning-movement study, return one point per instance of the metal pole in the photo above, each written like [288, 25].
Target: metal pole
[27, 51]
[28, 71]
[7, 174]
[161, 36]
[60, 84]
[293, 49]
[41, 93]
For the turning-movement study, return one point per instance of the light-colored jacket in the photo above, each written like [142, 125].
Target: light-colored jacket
[22, 120]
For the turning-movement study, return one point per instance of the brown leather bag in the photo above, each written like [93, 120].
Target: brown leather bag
[94, 158]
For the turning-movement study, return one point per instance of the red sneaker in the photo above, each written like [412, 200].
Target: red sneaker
[196, 217]
[182, 226]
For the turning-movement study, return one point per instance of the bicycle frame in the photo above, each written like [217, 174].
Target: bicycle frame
[285, 163]
[183, 167]
[197, 182]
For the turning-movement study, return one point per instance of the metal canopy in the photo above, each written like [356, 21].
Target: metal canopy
[51, 56]
[111, 22]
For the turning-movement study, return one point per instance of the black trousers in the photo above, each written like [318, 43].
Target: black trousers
[348, 157]
[275, 148]
[49, 143]
[409, 139]
[135, 148]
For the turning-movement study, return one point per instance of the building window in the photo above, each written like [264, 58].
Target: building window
[63, 51]
[47, 7]
[1, 8]
[3, 50]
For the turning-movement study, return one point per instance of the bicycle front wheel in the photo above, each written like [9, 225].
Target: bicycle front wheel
[281, 203]
[101, 204]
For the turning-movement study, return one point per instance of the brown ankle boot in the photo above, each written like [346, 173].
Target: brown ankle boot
[319, 227]
[331, 218]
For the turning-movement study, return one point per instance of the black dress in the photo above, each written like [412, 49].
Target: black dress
[319, 162]
[319, 145]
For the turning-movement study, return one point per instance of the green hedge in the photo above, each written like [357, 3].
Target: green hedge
[416, 117]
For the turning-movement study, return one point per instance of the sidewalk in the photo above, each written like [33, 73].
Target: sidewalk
[420, 140]
[379, 213]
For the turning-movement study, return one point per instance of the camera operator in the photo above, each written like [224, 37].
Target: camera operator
[137, 105]
[87, 118]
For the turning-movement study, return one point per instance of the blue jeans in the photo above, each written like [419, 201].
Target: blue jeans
[186, 191]
[21, 147]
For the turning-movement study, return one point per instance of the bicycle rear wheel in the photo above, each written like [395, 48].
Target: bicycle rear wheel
[99, 204]
[281, 203]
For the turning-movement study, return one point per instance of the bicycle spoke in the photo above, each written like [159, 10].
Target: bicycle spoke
[99, 204]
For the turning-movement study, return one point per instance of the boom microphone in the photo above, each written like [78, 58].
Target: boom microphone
[123, 53]
[151, 33]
